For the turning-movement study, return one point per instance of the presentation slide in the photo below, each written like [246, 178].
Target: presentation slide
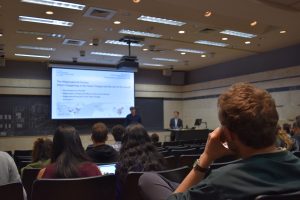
[90, 94]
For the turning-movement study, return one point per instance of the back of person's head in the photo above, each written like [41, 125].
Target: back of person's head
[118, 132]
[99, 132]
[154, 138]
[286, 127]
[296, 126]
[137, 152]
[250, 113]
[67, 152]
[42, 149]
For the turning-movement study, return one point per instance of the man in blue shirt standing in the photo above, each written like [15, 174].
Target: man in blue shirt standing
[132, 118]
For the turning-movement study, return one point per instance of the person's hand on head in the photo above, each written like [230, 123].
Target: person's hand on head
[214, 148]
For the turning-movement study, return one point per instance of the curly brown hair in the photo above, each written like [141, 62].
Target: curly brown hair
[250, 113]
[42, 149]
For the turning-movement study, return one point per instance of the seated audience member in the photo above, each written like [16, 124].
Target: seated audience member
[137, 154]
[296, 130]
[41, 154]
[101, 152]
[68, 159]
[154, 138]
[8, 171]
[287, 128]
[285, 141]
[118, 132]
[248, 118]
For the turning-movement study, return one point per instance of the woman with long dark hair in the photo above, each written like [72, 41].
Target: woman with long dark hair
[69, 159]
[137, 154]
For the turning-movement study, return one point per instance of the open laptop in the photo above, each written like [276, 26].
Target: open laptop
[107, 168]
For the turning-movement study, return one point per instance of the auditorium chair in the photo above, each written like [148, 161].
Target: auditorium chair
[165, 153]
[23, 153]
[28, 177]
[171, 162]
[177, 153]
[187, 160]
[283, 196]
[157, 144]
[176, 175]
[131, 190]
[12, 191]
[172, 143]
[90, 188]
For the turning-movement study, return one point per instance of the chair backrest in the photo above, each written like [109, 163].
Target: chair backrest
[174, 143]
[176, 175]
[23, 153]
[130, 189]
[171, 162]
[297, 153]
[157, 144]
[28, 177]
[90, 188]
[184, 152]
[12, 191]
[187, 160]
[165, 153]
[283, 196]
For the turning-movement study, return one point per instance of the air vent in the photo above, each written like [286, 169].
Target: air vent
[207, 30]
[73, 42]
[99, 13]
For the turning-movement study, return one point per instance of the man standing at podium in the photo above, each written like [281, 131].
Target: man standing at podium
[175, 123]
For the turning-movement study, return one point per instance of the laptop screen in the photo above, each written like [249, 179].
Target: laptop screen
[107, 168]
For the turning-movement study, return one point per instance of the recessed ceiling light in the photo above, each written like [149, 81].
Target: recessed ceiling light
[106, 54]
[247, 42]
[145, 49]
[32, 55]
[254, 23]
[153, 64]
[36, 48]
[1, 34]
[182, 53]
[166, 59]
[117, 22]
[60, 4]
[161, 20]
[45, 21]
[203, 55]
[282, 32]
[53, 35]
[190, 51]
[238, 34]
[181, 32]
[139, 33]
[123, 43]
[210, 43]
[49, 12]
[136, 1]
[207, 14]
[39, 38]
[91, 44]
[224, 38]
